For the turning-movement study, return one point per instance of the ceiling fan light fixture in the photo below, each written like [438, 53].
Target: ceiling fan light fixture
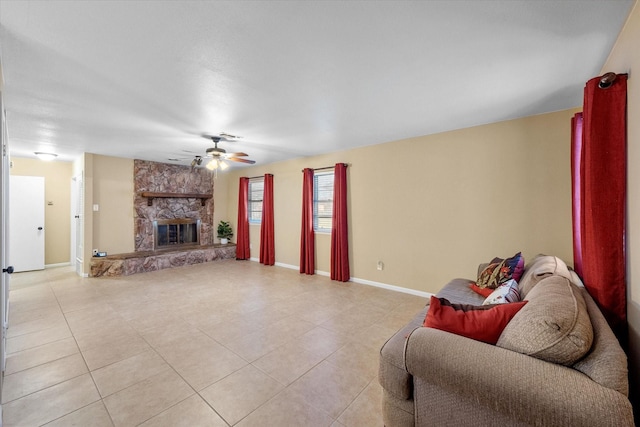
[224, 165]
[212, 165]
[47, 157]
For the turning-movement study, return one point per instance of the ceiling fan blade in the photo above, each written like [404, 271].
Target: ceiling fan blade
[236, 154]
[229, 137]
[220, 137]
[236, 159]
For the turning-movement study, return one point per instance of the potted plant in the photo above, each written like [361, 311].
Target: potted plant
[224, 232]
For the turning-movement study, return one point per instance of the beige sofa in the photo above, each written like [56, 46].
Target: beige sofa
[436, 378]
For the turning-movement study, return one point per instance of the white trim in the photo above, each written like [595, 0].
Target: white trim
[60, 264]
[392, 287]
[297, 267]
[290, 266]
[363, 281]
[254, 259]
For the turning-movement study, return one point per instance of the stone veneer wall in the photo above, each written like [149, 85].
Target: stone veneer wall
[167, 178]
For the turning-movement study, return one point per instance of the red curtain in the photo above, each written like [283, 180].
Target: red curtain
[603, 191]
[339, 228]
[307, 236]
[242, 238]
[267, 241]
[576, 190]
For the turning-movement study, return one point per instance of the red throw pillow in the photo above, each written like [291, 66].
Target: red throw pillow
[483, 323]
[485, 292]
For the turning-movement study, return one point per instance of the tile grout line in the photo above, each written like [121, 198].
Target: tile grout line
[83, 359]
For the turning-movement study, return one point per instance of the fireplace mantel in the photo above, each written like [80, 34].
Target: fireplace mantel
[151, 195]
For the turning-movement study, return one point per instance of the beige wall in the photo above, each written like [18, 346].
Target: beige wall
[220, 207]
[57, 188]
[624, 58]
[108, 183]
[432, 208]
[113, 193]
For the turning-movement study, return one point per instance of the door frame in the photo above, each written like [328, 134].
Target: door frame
[4, 239]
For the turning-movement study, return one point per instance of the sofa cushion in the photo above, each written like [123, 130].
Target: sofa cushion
[482, 323]
[554, 325]
[507, 292]
[544, 266]
[458, 291]
[500, 271]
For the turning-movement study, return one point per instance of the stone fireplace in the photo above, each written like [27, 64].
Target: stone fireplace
[174, 188]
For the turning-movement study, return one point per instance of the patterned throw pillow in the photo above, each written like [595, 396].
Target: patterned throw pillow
[500, 271]
[507, 292]
[485, 292]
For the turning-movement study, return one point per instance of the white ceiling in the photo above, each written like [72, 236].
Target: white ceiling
[144, 79]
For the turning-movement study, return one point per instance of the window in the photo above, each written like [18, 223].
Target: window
[323, 202]
[256, 191]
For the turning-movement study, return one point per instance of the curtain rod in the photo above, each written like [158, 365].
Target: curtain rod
[259, 176]
[607, 79]
[326, 167]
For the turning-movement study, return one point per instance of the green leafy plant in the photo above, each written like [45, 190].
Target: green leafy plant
[224, 230]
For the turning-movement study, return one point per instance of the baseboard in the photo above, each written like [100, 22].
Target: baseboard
[392, 287]
[361, 281]
[297, 267]
[289, 266]
[60, 264]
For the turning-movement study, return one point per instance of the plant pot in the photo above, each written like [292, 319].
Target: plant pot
[224, 241]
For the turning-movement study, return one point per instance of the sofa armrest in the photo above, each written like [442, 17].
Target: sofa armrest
[392, 375]
[518, 386]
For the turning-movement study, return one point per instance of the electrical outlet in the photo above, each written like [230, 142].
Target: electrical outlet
[380, 265]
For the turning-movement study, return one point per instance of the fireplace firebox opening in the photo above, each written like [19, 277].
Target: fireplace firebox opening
[175, 233]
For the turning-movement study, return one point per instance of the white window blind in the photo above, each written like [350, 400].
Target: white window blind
[323, 201]
[256, 192]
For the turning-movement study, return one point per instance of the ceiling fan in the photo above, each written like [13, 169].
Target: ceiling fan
[219, 156]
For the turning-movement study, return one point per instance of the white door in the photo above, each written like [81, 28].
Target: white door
[26, 216]
[78, 225]
[4, 242]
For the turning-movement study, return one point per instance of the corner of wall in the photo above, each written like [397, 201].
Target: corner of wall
[87, 172]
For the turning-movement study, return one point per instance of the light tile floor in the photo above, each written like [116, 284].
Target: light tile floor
[217, 344]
